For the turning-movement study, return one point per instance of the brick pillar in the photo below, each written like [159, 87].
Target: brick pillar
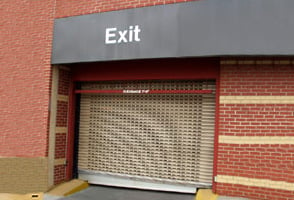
[61, 129]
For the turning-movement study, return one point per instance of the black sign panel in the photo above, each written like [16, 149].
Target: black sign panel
[198, 28]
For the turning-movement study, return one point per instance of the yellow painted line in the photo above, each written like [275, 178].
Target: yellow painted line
[265, 183]
[256, 139]
[205, 194]
[257, 99]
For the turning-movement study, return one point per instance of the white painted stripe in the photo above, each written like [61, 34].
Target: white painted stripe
[61, 130]
[62, 98]
[256, 139]
[61, 161]
[257, 99]
[256, 62]
[265, 183]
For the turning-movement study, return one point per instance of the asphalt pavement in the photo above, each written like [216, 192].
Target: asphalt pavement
[113, 193]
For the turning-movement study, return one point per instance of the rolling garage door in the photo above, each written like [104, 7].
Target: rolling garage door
[147, 134]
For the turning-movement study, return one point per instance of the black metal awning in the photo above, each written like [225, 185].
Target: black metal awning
[192, 29]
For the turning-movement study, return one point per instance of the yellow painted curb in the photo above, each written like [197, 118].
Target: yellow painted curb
[205, 194]
[68, 188]
[32, 196]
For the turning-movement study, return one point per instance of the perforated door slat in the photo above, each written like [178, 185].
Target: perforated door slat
[159, 136]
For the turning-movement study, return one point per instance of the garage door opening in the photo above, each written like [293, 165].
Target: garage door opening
[155, 135]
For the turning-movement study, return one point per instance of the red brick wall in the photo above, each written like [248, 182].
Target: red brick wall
[261, 161]
[73, 7]
[61, 118]
[64, 81]
[261, 79]
[274, 162]
[257, 120]
[26, 37]
[60, 145]
[59, 174]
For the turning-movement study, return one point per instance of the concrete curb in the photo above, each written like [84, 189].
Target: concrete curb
[206, 194]
[68, 188]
